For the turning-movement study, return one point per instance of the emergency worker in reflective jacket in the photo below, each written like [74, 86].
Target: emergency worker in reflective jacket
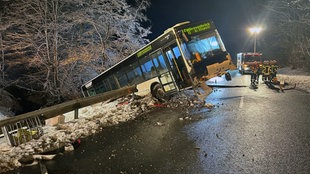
[254, 72]
[273, 71]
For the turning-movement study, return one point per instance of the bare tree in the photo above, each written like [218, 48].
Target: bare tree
[114, 25]
[58, 41]
[292, 21]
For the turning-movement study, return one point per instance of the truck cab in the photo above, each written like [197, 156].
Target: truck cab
[246, 60]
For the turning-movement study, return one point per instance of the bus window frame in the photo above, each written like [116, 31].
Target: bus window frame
[150, 57]
[120, 74]
[159, 52]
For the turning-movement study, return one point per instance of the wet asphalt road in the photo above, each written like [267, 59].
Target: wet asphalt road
[249, 131]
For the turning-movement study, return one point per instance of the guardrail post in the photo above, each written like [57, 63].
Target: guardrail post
[76, 113]
[5, 134]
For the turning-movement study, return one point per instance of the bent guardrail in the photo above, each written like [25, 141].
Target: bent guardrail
[10, 126]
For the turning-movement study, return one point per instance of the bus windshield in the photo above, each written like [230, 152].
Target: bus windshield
[204, 46]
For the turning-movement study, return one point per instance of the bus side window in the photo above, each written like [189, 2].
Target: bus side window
[98, 88]
[170, 57]
[134, 74]
[112, 83]
[131, 76]
[122, 78]
[156, 64]
[91, 92]
[162, 68]
[176, 51]
[146, 66]
[107, 85]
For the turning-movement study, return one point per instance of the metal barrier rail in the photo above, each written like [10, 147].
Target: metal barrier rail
[23, 131]
[73, 105]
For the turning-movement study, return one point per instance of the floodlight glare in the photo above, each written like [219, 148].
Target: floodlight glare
[255, 30]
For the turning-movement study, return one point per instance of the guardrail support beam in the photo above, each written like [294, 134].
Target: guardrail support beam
[76, 113]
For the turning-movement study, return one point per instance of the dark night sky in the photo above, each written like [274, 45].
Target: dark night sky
[232, 18]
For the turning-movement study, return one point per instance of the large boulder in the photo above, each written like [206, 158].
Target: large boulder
[8, 104]
[28, 100]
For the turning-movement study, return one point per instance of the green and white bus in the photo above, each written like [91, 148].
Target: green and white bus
[176, 60]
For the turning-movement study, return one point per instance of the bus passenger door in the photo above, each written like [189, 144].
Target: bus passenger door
[164, 74]
[177, 65]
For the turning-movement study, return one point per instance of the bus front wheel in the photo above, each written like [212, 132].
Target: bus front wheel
[158, 92]
[228, 76]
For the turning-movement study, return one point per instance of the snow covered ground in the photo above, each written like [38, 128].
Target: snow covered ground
[298, 77]
[93, 119]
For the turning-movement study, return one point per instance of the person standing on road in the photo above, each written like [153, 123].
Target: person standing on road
[273, 71]
[253, 74]
[258, 72]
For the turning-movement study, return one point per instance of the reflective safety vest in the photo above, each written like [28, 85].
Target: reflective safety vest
[266, 70]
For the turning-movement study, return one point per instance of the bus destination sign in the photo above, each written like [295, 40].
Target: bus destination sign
[197, 29]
